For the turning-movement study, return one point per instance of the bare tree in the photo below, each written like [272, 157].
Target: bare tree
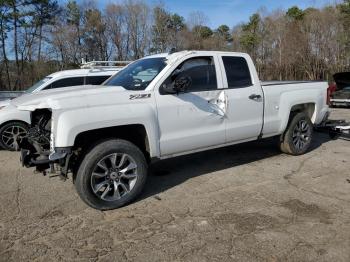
[160, 29]
[4, 29]
[115, 16]
[138, 25]
[40, 37]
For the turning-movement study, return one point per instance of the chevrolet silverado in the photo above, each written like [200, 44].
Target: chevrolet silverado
[158, 107]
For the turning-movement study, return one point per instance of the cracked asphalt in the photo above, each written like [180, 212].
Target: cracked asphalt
[246, 202]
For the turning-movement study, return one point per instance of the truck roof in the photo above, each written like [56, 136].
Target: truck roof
[177, 55]
[112, 70]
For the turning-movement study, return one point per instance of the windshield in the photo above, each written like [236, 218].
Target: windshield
[138, 75]
[347, 88]
[37, 84]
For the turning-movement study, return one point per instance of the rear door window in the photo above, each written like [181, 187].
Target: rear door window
[70, 81]
[96, 80]
[237, 72]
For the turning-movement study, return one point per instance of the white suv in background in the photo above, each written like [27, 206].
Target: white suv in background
[14, 123]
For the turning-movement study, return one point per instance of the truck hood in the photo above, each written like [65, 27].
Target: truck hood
[63, 98]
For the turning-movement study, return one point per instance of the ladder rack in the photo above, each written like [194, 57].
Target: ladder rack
[104, 64]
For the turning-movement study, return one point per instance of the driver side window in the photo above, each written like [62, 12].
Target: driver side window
[200, 71]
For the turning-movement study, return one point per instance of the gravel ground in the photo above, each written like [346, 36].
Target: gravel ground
[241, 203]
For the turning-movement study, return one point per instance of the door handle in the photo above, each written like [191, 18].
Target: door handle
[255, 97]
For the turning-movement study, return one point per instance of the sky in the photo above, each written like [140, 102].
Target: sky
[230, 12]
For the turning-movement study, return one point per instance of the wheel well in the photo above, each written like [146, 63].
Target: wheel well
[135, 134]
[308, 108]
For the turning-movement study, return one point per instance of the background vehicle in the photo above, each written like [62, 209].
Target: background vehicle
[6, 95]
[159, 107]
[341, 95]
[14, 123]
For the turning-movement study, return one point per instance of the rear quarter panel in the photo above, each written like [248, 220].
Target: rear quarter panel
[279, 100]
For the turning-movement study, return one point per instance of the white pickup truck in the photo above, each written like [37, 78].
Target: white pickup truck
[159, 107]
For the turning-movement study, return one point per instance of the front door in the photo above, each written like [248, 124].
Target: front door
[195, 119]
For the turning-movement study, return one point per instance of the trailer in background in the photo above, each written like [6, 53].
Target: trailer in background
[335, 128]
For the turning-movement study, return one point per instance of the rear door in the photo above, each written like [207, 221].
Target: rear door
[195, 119]
[244, 114]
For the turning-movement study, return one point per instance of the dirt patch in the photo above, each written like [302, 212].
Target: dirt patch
[52, 214]
[302, 209]
[245, 223]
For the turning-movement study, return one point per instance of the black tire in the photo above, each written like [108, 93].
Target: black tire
[294, 141]
[4, 142]
[102, 152]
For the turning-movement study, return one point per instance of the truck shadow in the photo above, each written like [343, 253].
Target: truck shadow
[169, 173]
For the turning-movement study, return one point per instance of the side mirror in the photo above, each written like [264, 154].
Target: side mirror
[168, 89]
[179, 85]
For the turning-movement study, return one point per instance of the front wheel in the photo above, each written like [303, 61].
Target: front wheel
[296, 140]
[111, 175]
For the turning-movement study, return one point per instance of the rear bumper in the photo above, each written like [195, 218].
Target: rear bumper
[340, 102]
[323, 116]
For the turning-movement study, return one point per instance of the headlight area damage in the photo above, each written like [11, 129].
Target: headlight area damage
[35, 147]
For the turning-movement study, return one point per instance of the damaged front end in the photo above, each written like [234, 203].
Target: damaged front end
[37, 148]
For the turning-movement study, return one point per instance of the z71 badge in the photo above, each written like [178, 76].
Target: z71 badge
[139, 96]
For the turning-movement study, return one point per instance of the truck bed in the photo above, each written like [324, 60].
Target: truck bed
[281, 96]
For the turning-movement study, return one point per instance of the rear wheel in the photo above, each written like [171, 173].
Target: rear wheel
[111, 175]
[296, 140]
[10, 132]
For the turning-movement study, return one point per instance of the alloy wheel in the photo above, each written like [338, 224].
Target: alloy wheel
[114, 176]
[301, 134]
[10, 135]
